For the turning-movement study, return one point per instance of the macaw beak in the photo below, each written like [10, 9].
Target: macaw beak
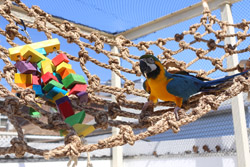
[144, 68]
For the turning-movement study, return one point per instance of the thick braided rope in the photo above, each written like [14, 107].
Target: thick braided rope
[155, 122]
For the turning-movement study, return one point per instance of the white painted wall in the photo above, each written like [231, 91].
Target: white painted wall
[144, 161]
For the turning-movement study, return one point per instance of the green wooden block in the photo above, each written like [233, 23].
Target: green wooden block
[39, 64]
[73, 79]
[34, 113]
[75, 119]
[51, 84]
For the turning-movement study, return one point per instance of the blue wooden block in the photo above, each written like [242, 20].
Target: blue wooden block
[62, 100]
[38, 90]
[58, 76]
[54, 91]
[42, 51]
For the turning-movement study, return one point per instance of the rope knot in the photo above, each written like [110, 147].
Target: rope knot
[229, 48]
[127, 134]
[72, 36]
[13, 102]
[200, 53]
[143, 45]
[99, 45]
[136, 68]
[7, 6]
[194, 28]
[123, 41]
[11, 31]
[161, 42]
[39, 11]
[178, 37]
[67, 26]
[197, 36]
[102, 120]
[211, 44]
[55, 119]
[242, 25]
[28, 94]
[112, 110]
[19, 146]
[130, 86]
[183, 45]
[40, 23]
[216, 61]
[113, 61]
[220, 35]
[174, 126]
[241, 36]
[83, 56]
[94, 81]
[201, 73]
[10, 69]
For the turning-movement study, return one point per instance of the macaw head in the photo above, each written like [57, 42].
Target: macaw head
[148, 65]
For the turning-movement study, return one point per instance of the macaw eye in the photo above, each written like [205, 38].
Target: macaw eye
[150, 60]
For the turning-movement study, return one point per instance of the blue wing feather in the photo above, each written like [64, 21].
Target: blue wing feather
[186, 85]
[183, 85]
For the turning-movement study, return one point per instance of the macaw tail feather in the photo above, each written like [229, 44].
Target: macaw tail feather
[209, 84]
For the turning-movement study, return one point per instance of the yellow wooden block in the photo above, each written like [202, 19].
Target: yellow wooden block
[56, 97]
[62, 66]
[48, 45]
[83, 130]
[46, 67]
[16, 57]
[23, 78]
[52, 64]
[28, 51]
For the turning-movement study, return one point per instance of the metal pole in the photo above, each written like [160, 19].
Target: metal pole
[117, 152]
[238, 111]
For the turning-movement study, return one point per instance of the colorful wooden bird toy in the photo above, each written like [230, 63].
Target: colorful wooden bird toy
[53, 80]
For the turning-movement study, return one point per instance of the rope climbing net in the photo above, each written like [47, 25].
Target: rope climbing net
[154, 122]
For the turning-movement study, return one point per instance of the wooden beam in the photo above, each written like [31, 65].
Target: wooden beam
[117, 152]
[238, 111]
[172, 19]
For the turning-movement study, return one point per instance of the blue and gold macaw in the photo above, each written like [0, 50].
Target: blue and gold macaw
[177, 88]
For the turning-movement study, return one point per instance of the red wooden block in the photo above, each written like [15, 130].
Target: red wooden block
[66, 109]
[60, 58]
[36, 80]
[78, 88]
[48, 77]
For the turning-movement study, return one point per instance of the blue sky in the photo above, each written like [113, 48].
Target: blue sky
[115, 16]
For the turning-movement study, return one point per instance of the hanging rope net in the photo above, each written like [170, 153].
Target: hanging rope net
[154, 122]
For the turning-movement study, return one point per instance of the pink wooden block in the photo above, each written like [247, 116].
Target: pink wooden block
[36, 80]
[78, 88]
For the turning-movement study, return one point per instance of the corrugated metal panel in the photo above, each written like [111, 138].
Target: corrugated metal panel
[213, 126]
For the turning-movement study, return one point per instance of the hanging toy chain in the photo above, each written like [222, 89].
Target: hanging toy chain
[24, 29]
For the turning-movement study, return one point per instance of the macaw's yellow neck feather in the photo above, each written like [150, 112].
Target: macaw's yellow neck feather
[161, 75]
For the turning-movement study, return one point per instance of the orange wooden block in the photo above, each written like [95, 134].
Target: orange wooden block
[66, 72]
